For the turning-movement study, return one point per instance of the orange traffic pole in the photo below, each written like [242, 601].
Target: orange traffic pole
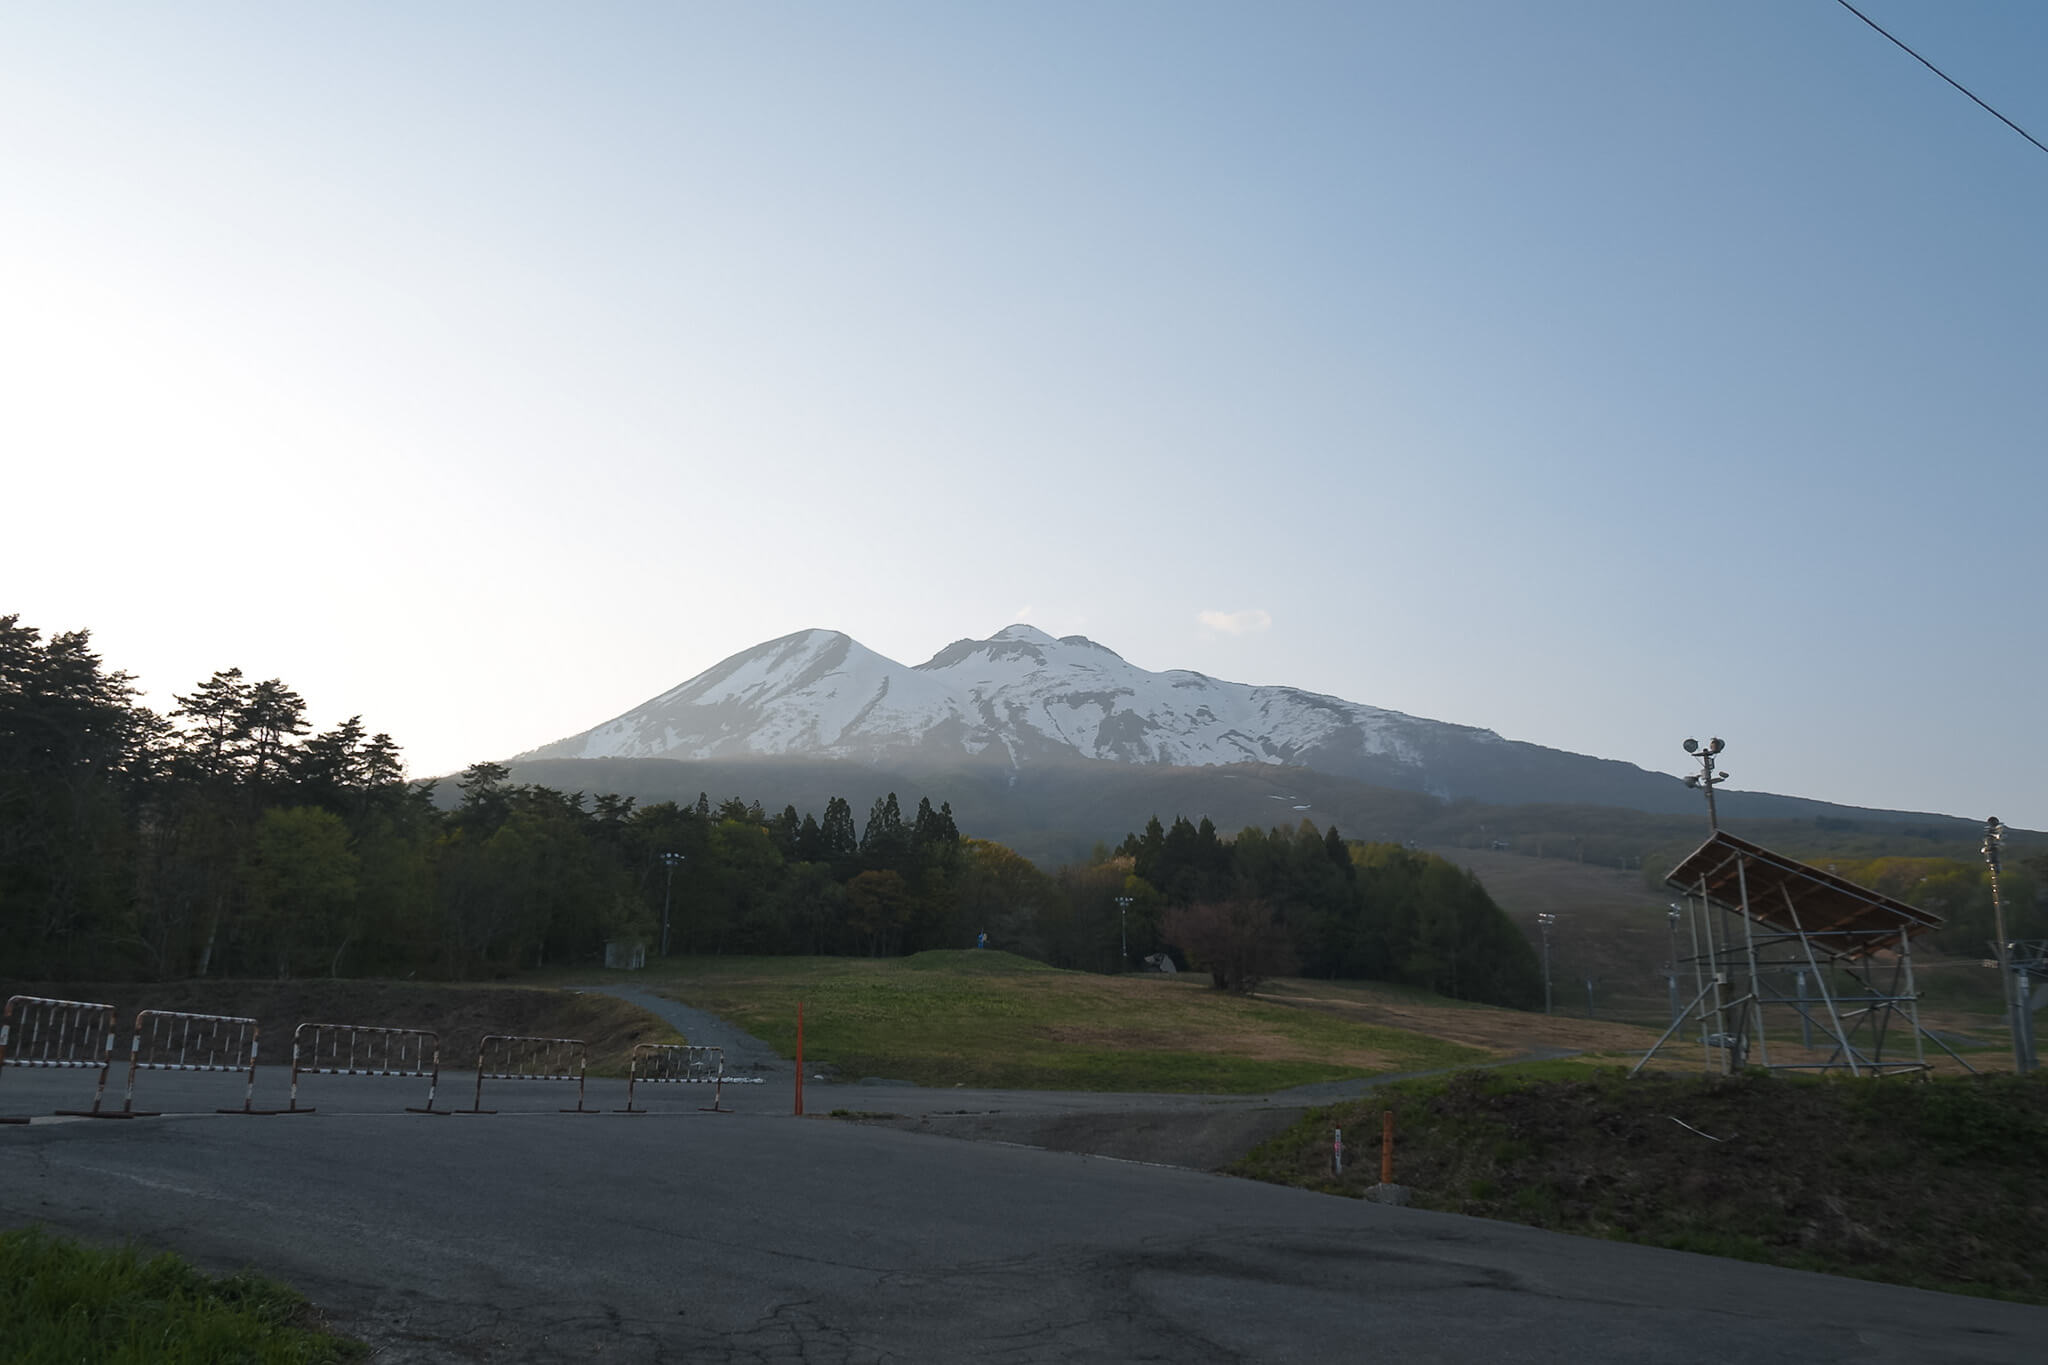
[1387, 1147]
[799, 1059]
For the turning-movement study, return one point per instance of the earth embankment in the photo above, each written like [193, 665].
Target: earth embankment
[461, 1014]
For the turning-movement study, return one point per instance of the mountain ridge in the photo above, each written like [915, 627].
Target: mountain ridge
[1022, 698]
[1022, 692]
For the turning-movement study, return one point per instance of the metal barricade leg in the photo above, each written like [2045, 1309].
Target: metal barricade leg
[249, 1091]
[632, 1079]
[6, 1027]
[582, 1067]
[293, 1107]
[477, 1105]
[717, 1105]
[106, 1062]
[433, 1083]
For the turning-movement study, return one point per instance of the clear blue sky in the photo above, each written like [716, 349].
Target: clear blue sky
[1600, 373]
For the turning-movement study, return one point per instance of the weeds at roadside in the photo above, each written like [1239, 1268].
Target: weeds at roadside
[67, 1302]
[1936, 1184]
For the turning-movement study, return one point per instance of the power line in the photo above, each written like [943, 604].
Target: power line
[1943, 74]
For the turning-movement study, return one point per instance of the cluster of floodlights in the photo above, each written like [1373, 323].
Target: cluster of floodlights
[1707, 778]
[1713, 747]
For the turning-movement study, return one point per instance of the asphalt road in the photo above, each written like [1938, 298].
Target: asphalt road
[753, 1236]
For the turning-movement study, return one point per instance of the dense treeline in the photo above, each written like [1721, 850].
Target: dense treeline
[1960, 892]
[1302, 901]
[226, 838]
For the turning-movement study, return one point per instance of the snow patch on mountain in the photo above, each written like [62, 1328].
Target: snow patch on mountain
[1021, 694]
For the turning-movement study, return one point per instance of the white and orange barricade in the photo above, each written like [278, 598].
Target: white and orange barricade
[171, 1040]
[78, 1034]
[678, 1064]
[364, 1050]
[513, 1057]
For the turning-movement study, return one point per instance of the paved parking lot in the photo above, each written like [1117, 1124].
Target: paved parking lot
[754, 1236]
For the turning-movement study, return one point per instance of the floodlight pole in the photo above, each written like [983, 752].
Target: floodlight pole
[1544, 922]
[1707, 777]
[1994, 834]
[2023, 1005]
[1671, 918]
[1123, 933]
[669, 860]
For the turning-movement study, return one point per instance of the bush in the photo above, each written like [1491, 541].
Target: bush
[1238, 942]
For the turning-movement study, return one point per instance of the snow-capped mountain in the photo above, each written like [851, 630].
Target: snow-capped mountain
[1022, 697]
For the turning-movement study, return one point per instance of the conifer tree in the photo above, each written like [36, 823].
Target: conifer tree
[884, 841]
[214, 714]
[841, 843]
[783, 830]
[810, 840]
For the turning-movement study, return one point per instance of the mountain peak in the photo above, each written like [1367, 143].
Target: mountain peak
[1022, 696]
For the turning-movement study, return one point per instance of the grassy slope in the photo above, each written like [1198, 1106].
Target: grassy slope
[1937, 1184]
[1611, 926]
[66, 1302]
[991, 1019]
[1501, 1032]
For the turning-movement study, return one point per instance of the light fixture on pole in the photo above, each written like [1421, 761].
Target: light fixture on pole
[670, 861]
[1994, 835]
[1707, 777]
[1123, 909]
[1544, 922]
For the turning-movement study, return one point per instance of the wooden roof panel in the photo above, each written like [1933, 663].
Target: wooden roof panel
[1789, 896]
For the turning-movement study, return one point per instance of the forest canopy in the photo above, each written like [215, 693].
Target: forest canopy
[227, 837]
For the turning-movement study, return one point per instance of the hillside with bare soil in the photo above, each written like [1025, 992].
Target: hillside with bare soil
[460, 1014]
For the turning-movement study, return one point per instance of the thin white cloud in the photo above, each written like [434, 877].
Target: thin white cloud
[1245, 622]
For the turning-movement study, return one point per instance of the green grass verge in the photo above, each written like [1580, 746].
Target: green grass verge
[1935, 1184]
[991, 1019]
[65, 1303]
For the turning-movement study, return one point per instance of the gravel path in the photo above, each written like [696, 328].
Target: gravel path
[744, 1053]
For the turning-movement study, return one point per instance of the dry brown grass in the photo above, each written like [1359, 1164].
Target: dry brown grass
[1253, 1044]
[1503, 1033]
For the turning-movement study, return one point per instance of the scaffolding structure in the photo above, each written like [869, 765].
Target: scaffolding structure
[2029, 959]
[1770, 932]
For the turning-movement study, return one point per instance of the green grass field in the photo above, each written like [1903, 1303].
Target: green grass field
[65, 1303]
[992, 1019]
